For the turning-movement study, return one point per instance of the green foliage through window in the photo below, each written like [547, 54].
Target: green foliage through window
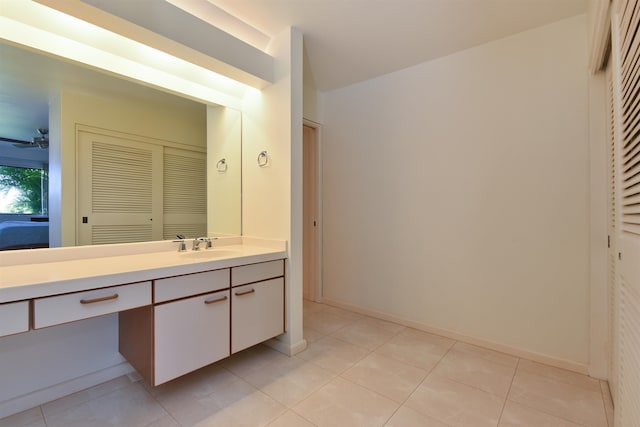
[23, 190]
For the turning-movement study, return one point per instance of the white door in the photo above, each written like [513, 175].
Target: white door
[310, 215]
[120, 188]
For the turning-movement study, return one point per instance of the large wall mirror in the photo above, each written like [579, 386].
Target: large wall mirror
[90, 158]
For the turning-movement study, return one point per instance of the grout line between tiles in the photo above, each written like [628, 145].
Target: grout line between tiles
[506, 398]
[607, 396]
[44, 420]
[604, 406]
[165, 410]
[542, 411]
[303, 417]
[538, 409]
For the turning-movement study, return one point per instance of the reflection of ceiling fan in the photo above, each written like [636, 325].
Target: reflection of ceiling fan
[40, 141]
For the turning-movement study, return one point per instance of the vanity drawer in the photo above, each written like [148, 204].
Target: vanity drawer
[14, 318]
[82, 305]
[256, 272]
[192, 284]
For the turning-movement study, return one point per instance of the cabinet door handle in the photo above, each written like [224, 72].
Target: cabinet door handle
[215, 300]
[250, 291]
[91, 301]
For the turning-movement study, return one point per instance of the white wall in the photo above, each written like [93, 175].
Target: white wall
[272, 195]
[49, 363]
[312, 99]
[224, 188]
[456, 194]
[599, 205]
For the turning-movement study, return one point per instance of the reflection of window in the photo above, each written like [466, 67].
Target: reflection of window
[24, 190]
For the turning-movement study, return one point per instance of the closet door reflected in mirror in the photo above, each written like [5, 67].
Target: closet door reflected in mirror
[133, 189]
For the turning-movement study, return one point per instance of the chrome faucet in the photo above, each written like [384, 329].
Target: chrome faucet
[182, 247]
[198, 240]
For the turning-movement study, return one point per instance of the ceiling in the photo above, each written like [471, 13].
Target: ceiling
[347, 41]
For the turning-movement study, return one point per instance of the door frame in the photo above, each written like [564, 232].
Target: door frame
[317, 260]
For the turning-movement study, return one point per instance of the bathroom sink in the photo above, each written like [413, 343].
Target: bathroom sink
[209, 254]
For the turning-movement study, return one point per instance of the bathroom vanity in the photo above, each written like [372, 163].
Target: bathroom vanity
[177, 311]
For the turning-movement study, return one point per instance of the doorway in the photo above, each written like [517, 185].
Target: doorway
[311, 232]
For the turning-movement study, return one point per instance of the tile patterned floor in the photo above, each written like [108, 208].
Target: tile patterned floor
[356, 371]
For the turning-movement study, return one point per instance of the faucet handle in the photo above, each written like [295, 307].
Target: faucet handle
[181, 246]
[207, 240]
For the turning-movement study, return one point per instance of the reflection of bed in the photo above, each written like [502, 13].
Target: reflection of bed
[24, 235]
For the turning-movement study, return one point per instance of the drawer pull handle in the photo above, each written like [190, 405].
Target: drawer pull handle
[213, 301]
[91, 301]
[250, 291]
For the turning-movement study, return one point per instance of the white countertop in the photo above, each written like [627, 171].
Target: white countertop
[22, 281]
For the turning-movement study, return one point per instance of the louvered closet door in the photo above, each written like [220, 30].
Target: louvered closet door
[120, 189]
[611, 231]
[185, 193]
[627, 91]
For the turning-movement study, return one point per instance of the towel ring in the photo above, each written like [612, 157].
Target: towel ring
[222, 165]
[263, 158]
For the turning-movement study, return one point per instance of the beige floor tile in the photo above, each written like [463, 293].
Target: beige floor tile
[195, 384]
[311, 335]
[517, 415]
[252, 359]
[476, 371]
[388, 377]
[416, 348]
[407, 417]
[339, 381]
[291, 419]
[333, 354]
[326, 322]
[189, 399]
[290, 381]
[255, 409]
[350, 315]
[166, 421]
[608, 402]
[130, 406]
[486, 354]
[309, 307]
[368, 333]
[30, 418]
[342, 403]
[86, 395]
[455, 404]
[226, 402]
[560, 375]
[567, 401]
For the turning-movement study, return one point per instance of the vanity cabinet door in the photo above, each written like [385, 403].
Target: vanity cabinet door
[189, 334]
[14, 318]
[258, 313]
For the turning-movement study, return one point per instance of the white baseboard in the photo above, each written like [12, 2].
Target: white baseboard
[525, 354]
[56, 391]
[288, 349]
